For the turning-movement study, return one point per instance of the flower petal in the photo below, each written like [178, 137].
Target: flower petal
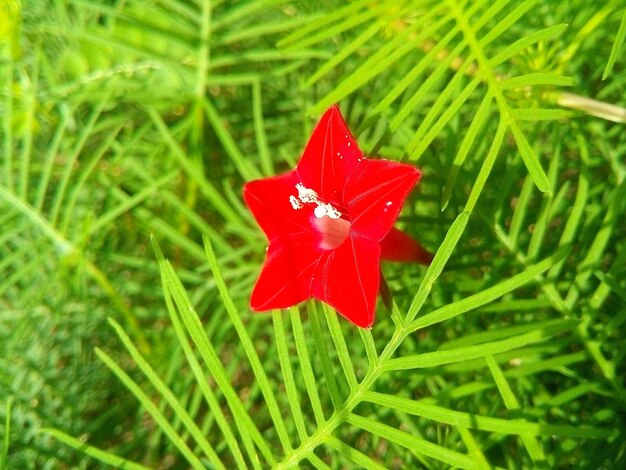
[286, 277]
[268, 200]
[375, 193]
[347, 279]
[398, 246]
[330, 156]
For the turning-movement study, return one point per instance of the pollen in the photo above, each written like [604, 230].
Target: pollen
[320, 211]
[332, 212]
[306, 195]
[326, 210]
[295, 202]
[309, 196]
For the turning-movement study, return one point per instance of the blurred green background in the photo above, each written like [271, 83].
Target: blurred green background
[122, 119]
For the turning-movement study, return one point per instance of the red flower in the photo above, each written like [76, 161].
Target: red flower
[329, 222]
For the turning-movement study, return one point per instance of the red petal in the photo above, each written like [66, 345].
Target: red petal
[330, 156]
[385, 293]
[375, 193]
[286, 277]
[347, 279]
[268, 200]
[398, 246]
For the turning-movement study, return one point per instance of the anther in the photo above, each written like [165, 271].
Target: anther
[306, 195]
[332, 212]
[295, 202]
[320, 211]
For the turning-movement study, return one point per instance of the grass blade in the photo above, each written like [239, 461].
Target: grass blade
[101, 455]
[167, 395]
[414, 444]
[483, 423]
[617, 47]
[152, 409]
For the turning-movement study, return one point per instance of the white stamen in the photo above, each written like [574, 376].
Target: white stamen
[295, 203]
[332, 212]
[306, 195]
[320, 211]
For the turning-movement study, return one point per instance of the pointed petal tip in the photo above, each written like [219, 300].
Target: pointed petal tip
[258, 306]
[401, 247]
[366, 325]
[255, 305]
[419, 173]
[414, 171]
[362, 322]
[247, 190]
[264, 300]
[331, 110]
[375, 194]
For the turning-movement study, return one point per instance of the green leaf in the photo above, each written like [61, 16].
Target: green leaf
[152, 409]
[485, 296]
[483, 423]
[380, 61]
[306, 367]
[167, 395]
[436, 267]
[535, 79]
[352, 454]
[540, 114]
[478, 122]
[414, 444]
[528, 40]
[247, 429]
[439, 358]
[101, 455]
[320, 23]
[200, 374]
[617, 47]
[290, 383]
[530, 159]
[246, 342]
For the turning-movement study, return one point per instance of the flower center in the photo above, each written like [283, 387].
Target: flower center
[333, 232]
[332, 228]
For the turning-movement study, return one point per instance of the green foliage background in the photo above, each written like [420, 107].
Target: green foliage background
[126, 119]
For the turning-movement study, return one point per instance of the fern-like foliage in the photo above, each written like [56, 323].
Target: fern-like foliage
[441, 56]
[82, 184]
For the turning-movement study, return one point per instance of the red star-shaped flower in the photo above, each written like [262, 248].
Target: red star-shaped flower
[329, 223]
